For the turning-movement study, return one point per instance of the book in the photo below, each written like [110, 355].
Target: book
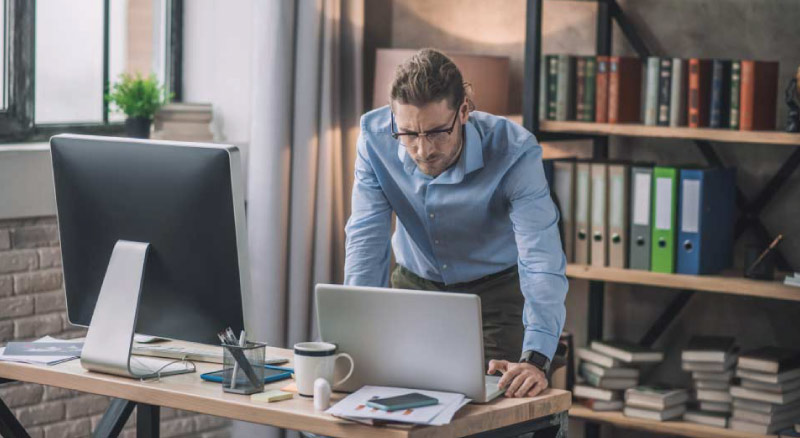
[708, 366]
[710, 375]
[601, 91]
[602, 405]
[543, 66]
[631, 373]
[647, 414]
[651, 91]
[712, 384]
[664, 91]
[770, 359]
[182, 111]
[709, 349]
[717, 419]
[609, 382]
[590, 93]
[758, 95]
[591, 392]
[720, 93]
[781, 387]
[565, 96]
[763, 418]
[43, 351]
[657, 397]
[769, 377]
[627, 352]
[749, 427]
[714, 395]
[580, 88]
[699, 92]
[712, 406]
[624, 89]
[736, 82]
[764, 407]
[552, 86]
[678, 92]
[597, 358]
[769, 397]
[789, 432]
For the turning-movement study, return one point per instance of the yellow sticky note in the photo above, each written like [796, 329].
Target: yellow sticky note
[270, 396]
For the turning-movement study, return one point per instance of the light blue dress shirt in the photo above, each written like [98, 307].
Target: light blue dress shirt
[489, 211]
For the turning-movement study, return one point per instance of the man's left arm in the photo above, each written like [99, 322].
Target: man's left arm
[542, 266]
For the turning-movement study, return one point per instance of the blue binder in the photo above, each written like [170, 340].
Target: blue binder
[706, 217]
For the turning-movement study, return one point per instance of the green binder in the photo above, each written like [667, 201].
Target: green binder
[665, 193]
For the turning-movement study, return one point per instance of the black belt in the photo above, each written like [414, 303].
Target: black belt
[467, 284]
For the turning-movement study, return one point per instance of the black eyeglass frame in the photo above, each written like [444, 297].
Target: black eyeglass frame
[396, 135]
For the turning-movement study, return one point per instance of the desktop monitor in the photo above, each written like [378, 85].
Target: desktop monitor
[183, 199]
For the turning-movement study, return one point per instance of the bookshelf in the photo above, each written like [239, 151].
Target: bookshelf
[597, 277]
[677, 428]
[729, 283]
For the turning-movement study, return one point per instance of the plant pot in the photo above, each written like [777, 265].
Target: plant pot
[137, 127]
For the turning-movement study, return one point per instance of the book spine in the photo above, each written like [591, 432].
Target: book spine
[677, 109]
[591, 80]
[716, 95]
[580, 88]
[736, 82]
[601, 93]
[746, 99]
[651, 91]
[664, 87]
[694, 93]
[563, 94]
[543, 66]
[613, 89]
[552, 86]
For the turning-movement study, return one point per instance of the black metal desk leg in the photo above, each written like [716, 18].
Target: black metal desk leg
[114, 419]
[10, 427]
[147, 421]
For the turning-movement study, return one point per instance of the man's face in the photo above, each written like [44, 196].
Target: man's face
[436, 153]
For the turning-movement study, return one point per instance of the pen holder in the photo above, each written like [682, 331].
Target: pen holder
[243, 368]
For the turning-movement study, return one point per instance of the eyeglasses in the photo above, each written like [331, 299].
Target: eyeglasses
[435, 136]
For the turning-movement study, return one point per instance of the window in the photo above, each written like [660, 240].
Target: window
[66, 54]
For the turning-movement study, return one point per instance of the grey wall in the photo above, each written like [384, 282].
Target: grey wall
[744, 29]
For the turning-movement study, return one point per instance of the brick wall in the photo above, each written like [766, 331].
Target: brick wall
[32, 305]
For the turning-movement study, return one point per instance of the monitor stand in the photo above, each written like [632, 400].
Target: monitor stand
[107, 348]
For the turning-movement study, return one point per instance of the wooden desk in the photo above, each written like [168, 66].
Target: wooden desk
[188, 392]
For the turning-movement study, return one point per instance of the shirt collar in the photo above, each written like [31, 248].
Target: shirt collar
[471, 159]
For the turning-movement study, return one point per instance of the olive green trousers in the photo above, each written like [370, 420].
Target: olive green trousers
[501, 307]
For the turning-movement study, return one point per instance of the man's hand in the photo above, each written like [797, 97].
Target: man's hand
[519, 379]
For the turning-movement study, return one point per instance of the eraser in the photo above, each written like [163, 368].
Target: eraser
[273, 395]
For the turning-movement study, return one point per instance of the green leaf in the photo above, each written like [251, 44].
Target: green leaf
[136, 96]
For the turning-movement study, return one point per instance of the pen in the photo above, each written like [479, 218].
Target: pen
[242, 343]
[764, 253]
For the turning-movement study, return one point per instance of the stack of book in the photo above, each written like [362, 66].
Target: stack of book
[184, 122]
[710, 359]
[768, 398]
[607, 369]
[713, 93]
[655, 402]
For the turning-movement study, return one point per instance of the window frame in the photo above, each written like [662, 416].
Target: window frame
[17, 120]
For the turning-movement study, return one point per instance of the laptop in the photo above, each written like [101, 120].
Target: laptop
[407, 338]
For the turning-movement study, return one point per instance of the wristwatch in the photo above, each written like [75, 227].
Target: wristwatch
[536, 359]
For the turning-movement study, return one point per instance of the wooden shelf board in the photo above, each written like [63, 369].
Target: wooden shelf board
[639, 130]
[728, 284]
[680, 428]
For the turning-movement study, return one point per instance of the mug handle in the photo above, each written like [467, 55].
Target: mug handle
[352, 368]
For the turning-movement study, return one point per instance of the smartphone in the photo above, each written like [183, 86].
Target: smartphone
[271, 374]
[405, 401]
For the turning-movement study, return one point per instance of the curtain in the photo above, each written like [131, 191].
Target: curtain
[306, 103]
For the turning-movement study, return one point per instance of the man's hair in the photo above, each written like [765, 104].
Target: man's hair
[430, 76]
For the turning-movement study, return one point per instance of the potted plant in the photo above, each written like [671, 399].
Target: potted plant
[139, 98]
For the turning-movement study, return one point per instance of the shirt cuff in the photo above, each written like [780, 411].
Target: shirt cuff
[544, 343]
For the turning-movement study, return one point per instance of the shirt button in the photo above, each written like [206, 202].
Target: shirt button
[444, 266]
[436, 242]
[432, 215]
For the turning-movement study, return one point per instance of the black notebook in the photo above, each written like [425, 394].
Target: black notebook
[770, 359]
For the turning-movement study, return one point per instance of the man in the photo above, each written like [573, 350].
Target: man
[474, 215]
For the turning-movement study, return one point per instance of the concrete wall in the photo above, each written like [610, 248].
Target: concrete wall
[686, 28]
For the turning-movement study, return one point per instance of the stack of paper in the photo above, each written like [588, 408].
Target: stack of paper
[792, 279]
[44, 351]
[353, 407]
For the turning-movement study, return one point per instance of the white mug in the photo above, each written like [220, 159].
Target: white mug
[313, 360]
